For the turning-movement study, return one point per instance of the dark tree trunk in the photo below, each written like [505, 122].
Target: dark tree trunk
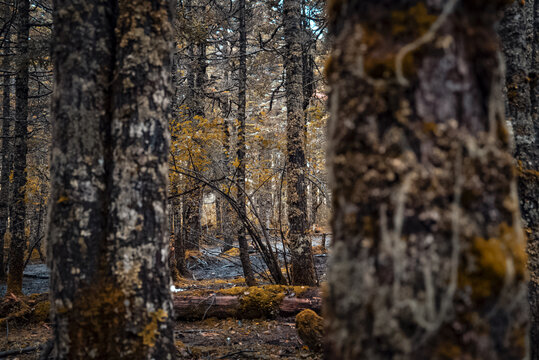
[230, 225]
[241, 147]
[6, 150]
[191, 213]
[18, 237]
[301, 260]
[428, 256]
[179, 245]
[107, 222]
[518, 31]
[196, 78]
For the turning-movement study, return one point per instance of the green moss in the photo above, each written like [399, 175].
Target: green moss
[41, 311]
[310, 329]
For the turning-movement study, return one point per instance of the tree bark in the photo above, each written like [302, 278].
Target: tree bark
[179, 247]
[428, 256]
[107, 221]
[18, 237]
[193, 200]
[241, 147]
[302, 268]
[6, 149]
[518, 31]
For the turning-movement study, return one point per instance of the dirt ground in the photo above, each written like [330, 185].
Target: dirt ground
[208, 339]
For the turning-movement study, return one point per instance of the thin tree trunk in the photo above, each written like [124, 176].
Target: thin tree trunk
[241, 147]
[230, 214]
[107, 233]
[18, 237]
[179, 245]
[6, 150]
[191, 213]
[518, 31]
[428, 256]
[193, 200]
[301, 259]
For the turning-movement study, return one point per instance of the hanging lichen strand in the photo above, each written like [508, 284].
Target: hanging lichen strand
[429, 257]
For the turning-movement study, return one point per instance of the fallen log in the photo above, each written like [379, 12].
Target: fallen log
[247, 303]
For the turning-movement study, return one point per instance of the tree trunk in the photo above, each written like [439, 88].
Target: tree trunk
[518, 31]
[241, 148]
[230, 225]
[18, 237]
[193, 200]
[428, 256]
[302, 268]
[191, 213]
[179, 245]
[107, 221]
[6, 150]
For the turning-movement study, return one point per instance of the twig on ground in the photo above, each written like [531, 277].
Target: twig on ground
[234, 353]
[5, 354]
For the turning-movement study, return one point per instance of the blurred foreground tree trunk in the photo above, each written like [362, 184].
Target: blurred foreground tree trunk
[519, 33]
[20, 149]
[107, 232]
[301, 259]
[428, 254]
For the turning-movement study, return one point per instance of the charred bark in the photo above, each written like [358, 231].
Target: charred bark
[518, 31]
[301, 260]
[241, 146]
[428, 256]
[20, 149]
[107, 232]
[6, 151]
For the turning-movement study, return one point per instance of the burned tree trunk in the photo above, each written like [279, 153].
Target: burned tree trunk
[107, 221]
[518, 31]
[241, 148]
[196, 78]
[20, 148]
[428, 254]
[299, 243]
[6, 149]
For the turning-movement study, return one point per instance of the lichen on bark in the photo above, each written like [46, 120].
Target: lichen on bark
[424, 193]
[108, 241]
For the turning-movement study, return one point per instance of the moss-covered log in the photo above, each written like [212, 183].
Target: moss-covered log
[428, 257]
[247, 303]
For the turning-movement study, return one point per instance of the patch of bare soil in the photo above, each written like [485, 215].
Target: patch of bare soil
[19, 336]
[240, 339]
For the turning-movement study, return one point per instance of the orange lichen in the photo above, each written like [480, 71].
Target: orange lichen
[526, 173]
[490, 260]
[414, 21]
[151, 329]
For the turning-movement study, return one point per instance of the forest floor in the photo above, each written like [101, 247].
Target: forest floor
[210, 338]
